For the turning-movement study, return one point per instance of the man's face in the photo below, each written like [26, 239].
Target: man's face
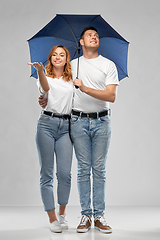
[90, 39]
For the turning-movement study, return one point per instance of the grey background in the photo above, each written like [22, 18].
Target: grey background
[134, 159]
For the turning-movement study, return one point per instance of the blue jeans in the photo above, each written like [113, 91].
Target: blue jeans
[52, 137]
[91, 138]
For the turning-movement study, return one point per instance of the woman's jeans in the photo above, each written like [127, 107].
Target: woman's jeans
[52, 137]
[91, 138]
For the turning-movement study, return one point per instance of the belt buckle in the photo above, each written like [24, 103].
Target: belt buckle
[63, 116]
[87, 115]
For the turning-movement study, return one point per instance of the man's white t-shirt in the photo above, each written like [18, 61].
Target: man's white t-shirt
[95, 73]
[59, 96]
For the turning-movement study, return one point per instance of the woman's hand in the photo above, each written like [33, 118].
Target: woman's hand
[41, 75]
[37, 66]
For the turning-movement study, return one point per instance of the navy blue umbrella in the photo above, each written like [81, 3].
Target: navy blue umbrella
[66, 30]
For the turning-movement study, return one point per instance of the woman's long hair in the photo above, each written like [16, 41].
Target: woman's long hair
[67, 74]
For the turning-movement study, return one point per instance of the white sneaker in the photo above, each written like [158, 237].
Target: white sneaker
[55, 227]
[63, 221]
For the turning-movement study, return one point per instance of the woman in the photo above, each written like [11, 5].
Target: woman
[52, 135]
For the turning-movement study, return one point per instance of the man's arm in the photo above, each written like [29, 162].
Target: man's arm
[42, 101]
[109, 94]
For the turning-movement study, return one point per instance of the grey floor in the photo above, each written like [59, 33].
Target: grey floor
[128, 223]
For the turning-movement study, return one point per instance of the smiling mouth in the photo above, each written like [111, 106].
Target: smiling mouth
[57, 61]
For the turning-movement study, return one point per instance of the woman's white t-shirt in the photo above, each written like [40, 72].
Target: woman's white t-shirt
[59, 96]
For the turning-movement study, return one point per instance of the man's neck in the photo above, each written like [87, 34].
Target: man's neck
[89, 54]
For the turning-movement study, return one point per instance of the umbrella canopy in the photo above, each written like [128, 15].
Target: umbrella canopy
[66, 30]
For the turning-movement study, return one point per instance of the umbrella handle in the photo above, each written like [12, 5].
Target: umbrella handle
[78, 63]
[75, 85]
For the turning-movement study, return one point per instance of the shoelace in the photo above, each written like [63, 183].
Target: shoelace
[84, 220]
[102, 220]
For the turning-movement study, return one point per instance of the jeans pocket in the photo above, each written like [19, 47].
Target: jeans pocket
[44, 117]
[105, 118]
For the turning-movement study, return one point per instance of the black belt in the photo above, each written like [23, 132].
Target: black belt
[91, 115]
[65, 116]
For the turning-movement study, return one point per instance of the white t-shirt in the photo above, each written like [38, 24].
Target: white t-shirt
[59, 96]
[95, 73]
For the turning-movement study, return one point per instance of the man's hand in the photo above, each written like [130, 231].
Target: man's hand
[108, 94]
[42, 101]
[78, 82]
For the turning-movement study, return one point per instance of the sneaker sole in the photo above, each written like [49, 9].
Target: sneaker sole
[64, 227]
[56, 231]
[103, 231]
[83, 230]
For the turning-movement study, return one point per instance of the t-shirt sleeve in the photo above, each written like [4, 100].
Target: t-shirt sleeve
[112, 74]
[40, 87]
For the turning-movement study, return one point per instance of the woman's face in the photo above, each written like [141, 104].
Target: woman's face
[58, 58]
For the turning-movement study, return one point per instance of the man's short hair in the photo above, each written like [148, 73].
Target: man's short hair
[86, 29]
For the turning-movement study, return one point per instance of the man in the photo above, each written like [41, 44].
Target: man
[90, 127]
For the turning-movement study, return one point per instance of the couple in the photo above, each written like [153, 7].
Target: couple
[87, 111]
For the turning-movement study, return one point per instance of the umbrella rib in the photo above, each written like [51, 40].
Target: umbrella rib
[71, 30]
[64, 40]
[94, 19]
[115, 37]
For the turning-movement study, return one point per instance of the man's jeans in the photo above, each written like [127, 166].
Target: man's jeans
[52, 136]
[91, 138]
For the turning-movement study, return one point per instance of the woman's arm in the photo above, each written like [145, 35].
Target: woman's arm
[41, 75]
